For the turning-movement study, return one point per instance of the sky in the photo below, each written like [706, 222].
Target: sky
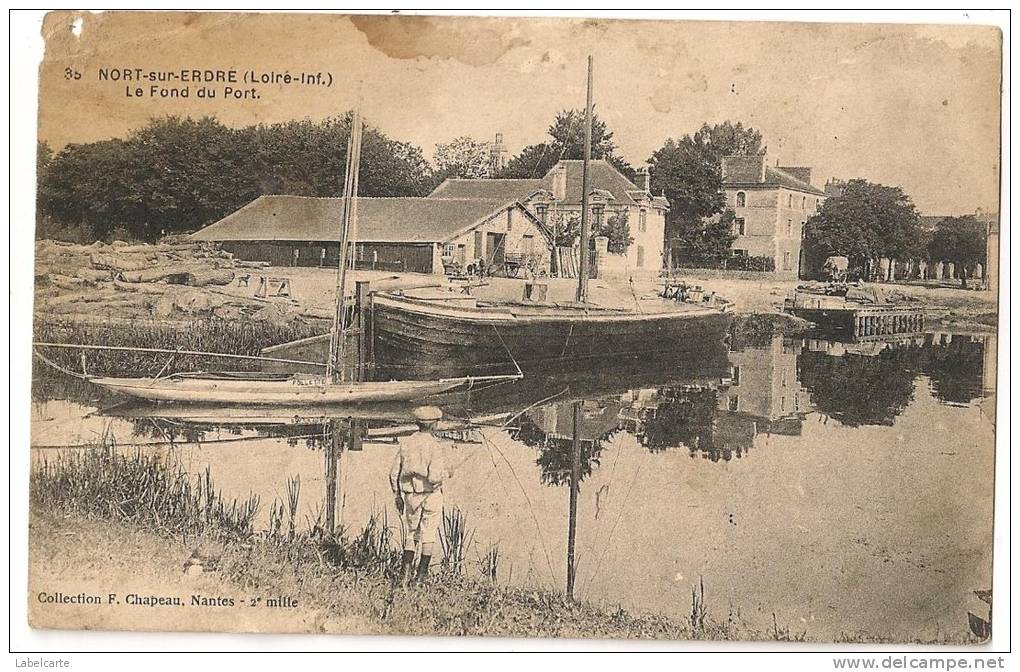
[909, 105]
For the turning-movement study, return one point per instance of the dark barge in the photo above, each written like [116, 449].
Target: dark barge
[411, 333]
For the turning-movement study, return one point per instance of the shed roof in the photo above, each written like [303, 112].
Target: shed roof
[604, 178]
[501, 190]
[396, 220]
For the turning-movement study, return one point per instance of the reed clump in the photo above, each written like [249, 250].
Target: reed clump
[152, 490]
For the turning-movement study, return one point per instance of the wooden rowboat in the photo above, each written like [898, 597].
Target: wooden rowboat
[298, 390]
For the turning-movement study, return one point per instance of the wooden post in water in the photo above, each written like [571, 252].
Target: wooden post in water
[575, 477]
[332, 447]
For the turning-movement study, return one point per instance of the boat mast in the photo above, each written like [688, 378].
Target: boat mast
[582, 278]
[348, 229]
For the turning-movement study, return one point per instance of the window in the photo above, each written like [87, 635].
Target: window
[789, 228]
[643, 221]
[741, 199]
[802, 229]
[509, 219]
[786, 261]
[739, 253]
[596, 211]
[782, 403]
[462, 253]
[733, 403]
[735, 374]
[803, 202]
[543, 212]
[640, 256]
[739, 226]
[818, 205]
[789, 200]
[449, 249]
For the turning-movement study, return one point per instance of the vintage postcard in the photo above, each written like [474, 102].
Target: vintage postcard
[515, 327]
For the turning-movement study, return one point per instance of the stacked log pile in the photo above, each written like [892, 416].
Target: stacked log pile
[171, 280]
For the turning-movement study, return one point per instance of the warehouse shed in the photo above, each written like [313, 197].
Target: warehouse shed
[418, 235]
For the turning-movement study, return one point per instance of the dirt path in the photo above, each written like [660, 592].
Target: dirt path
[74, 556]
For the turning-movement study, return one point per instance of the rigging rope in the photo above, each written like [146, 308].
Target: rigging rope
[58, 367]
[531, 509]
[605, 546]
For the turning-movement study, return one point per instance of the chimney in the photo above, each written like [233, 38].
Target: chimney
[643, 179]
[559, 182]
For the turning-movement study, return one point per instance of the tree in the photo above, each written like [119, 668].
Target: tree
[865, 223]
[179, 174]
[617, 230]
[960, 240]
[82, 189]
[689, 172]
[567, 142]
[462, 157]
[707, 239]
[859, 389]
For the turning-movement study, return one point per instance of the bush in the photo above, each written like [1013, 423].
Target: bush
[761, 263]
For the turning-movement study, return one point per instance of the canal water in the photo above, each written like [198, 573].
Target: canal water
[834, 489]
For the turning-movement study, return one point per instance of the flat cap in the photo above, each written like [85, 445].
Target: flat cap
[428, 414]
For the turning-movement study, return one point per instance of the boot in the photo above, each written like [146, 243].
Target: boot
[423, 569]
[405, 568]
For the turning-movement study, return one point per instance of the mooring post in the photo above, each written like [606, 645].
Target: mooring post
[332, 448]
[575, 477]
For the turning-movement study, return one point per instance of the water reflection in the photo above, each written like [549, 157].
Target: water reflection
[713, 406]
[794, 501]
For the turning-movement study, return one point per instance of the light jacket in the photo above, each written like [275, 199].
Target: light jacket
[418, 466]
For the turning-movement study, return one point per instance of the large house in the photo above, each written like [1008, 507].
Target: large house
[772, 204]
[418, 235]
[556, 197]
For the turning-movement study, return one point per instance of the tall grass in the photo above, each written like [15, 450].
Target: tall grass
[149, 489]
[371, 550]
[212, 335]
[455, 538]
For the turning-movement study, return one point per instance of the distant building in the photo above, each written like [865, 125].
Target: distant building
[418, 235]
[556, 197]
[498, 155]
[771, 204]
[764, 387]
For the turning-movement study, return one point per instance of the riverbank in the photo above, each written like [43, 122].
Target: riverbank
[175, 556]
[87, 284]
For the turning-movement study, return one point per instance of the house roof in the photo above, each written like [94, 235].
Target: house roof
[500, 190]
[775, 177]
[389, 220]
[604, 177]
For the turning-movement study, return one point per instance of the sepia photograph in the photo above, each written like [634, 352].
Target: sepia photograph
[515, 327]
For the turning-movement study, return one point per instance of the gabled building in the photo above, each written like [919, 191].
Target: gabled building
[556, 197]
[417, 235]
[772, 204]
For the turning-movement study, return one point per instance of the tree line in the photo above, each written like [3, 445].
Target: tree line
[177, 175]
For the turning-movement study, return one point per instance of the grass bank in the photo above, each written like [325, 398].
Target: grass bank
[105, 520]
